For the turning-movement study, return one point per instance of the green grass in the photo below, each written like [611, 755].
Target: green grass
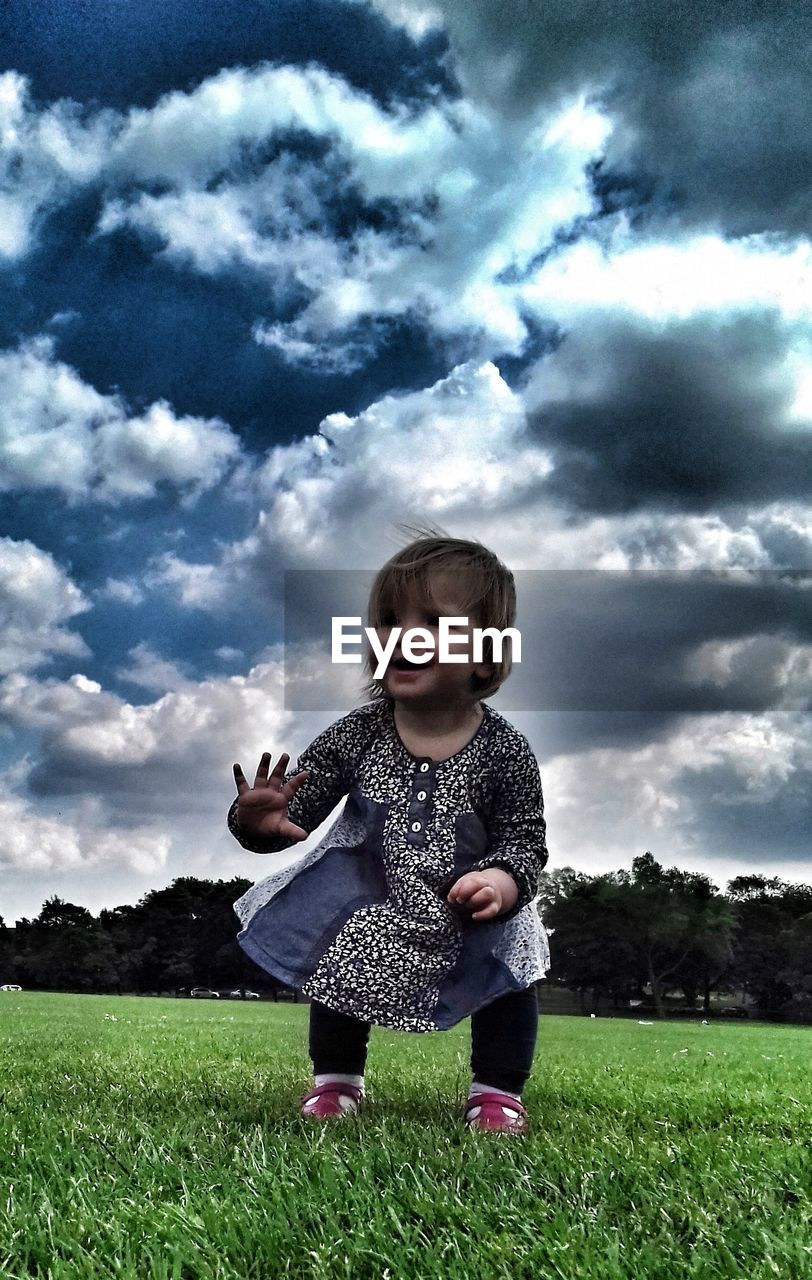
[160, 1140]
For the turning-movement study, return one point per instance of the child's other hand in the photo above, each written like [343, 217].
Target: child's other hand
[262, 810]
[485, 893]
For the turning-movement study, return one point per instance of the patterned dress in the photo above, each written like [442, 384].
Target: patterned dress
[361, 922]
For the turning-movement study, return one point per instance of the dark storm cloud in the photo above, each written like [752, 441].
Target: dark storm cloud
[712, 100]
[763, 829]
[691, 418]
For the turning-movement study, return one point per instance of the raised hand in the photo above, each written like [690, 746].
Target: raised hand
[262, 810]
[486, 894]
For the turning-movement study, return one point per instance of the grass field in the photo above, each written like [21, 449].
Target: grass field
[151, 1139]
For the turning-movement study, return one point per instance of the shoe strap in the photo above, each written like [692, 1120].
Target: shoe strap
[337, 1087]
[500, 1099]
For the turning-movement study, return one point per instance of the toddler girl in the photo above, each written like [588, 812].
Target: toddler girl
[416, 908]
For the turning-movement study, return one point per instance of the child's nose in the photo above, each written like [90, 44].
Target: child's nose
[414, 619]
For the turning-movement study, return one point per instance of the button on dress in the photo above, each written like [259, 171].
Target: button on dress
[361, 922]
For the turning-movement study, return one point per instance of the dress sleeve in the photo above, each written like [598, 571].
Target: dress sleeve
[517, 829]
[331, 762]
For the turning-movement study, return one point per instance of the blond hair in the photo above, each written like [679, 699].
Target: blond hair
[484, 586]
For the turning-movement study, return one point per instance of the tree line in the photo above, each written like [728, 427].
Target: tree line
[640, 937]
[174, 939]
[648, 933]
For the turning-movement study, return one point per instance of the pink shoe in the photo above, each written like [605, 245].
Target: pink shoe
[337, 1099]
[496, 1113]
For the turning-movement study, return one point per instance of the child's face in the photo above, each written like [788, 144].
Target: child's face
[434, 681]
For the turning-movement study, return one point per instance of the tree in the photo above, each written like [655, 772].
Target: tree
[683, 927]
[180, 936]
[618, 932]
[64, 948]
[58, 914]
[768, 932]
[680, 924]
[8, 970]
[589, 947]
[797, 972]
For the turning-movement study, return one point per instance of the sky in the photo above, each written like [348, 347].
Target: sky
[280, 278]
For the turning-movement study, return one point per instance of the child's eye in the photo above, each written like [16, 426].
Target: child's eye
[387, 618]
[433, 619]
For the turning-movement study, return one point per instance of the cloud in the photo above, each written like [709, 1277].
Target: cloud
[37, 603]
[223, 179]
[332, 355]
[418, 17]
[122, 591]
[401, 186]
[468, 432]
[196, 586]
[709, 101]
[56, 432]
[476, 464]
[171, 750]
[356, 216]
[558, 490]
[45, 703]
[34, 843]
[693, 416]
[148, 670]
[45, 155]
[264, 223]
[617, 268]
[405, 243]
[109, 764]
[662, 644]
[730, 789]
[777, 535]
[140, 789]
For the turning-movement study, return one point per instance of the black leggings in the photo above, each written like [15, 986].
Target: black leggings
[503, 1041]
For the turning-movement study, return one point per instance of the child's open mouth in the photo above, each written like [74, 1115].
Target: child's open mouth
[404, 664]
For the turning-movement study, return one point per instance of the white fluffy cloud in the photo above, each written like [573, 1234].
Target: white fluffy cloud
[167, 753]
[44, 156]
[467, 431]
[663, 279]
[129, 791]
[435, 165]
[702, 796]
[275, 218]
[223, 207]
[33, 843]
[118, 797]
[459, 453]
[58, 432]
[37, 602]
[456, 452]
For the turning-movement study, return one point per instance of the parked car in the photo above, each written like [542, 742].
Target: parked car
[10, 986]
[204, 993]
[244, 995]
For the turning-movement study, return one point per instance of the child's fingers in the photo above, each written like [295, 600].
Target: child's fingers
[278, 772]
[483, 896]
[487, 913]
[261, 775]
[465, 888]
[241, 780]
[293, 784]
[485, 903]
